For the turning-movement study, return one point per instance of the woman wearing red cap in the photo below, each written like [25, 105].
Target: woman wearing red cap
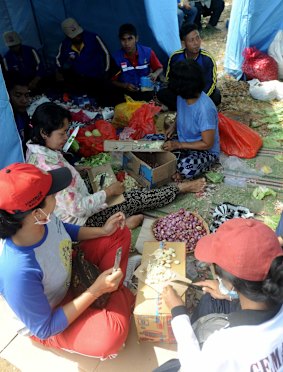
[248, 260]
[36, 266]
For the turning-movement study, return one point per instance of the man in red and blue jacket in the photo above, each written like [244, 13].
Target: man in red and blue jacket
[133, 62]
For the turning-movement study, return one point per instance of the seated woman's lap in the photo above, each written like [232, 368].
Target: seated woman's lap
[101, 251]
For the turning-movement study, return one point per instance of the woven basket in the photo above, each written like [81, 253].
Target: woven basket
[205, 225]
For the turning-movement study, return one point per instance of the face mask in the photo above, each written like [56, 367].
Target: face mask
[225, 291]
[42, 222]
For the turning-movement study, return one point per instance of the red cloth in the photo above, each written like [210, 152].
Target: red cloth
[100, 333]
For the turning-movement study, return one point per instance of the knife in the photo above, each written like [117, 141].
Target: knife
[101, 181]
[117, 261]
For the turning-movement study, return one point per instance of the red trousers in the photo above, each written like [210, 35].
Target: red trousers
[100, 333]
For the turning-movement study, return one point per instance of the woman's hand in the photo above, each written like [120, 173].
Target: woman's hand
[117, 188]
[115, 222]
[107, 281]
[171, 145]
[170, 131]
[212, 287]
[171, 298]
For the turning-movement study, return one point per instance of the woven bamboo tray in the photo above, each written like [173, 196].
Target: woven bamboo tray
[178, 232]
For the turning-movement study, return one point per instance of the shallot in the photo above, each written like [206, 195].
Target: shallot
[181, 226]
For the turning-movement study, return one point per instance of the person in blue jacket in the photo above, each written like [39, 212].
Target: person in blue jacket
[23, 60]
[192, 50]
[83, 62]
[135, 61]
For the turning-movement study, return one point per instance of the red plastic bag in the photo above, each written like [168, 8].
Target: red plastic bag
[92, 144]
[237, 139]
[142, 121]
[80, 116]
[259, 65]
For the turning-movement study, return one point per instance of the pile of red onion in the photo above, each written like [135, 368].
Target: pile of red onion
[182, 226]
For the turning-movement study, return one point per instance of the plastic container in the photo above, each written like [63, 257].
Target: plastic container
[235, 181]
[146, 84]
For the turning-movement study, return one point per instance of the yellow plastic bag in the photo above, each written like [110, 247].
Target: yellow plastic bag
[124, 111]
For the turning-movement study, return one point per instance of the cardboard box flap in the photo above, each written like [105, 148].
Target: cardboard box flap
[133, 145]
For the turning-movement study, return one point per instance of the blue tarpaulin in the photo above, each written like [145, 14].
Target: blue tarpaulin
[39, 22]
[252, 23]
[10, 142]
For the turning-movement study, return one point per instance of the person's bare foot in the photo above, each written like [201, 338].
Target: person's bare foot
[134, 221]
[192, 186]
[177, 177]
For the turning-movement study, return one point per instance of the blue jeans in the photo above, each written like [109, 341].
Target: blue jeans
[189, 14]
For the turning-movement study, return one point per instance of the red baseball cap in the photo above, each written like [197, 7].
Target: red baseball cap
[24, 186]
[242, 247]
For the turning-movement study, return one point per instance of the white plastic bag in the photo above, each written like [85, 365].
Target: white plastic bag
[275, 50]
[266, 90]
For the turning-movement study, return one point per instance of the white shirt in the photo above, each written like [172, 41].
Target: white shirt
[251, 348]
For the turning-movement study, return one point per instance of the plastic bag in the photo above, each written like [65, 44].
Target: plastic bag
[238, 139]
[266, 90]
[91, 143]
[124, 111]
[259, 65]
[142, 121]
[275, 50]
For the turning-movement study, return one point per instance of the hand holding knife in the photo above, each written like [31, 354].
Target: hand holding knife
[117, 260]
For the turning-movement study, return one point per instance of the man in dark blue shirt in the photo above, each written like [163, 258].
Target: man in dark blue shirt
[22, 60]
[83, 62]
[190, 37]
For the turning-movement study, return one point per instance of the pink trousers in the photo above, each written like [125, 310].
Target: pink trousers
[100, 333]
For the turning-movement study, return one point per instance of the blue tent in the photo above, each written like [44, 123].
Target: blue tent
[38, 23]
[252, 23]
[10, 142]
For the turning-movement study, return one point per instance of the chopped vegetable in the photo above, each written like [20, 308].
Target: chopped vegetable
[96, 133]
[262, 191]
[88, 133]
[95, 160]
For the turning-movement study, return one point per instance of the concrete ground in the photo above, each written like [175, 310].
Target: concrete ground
[18, 353]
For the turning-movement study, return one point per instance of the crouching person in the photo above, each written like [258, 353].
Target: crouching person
[36, 267]
[244, 303]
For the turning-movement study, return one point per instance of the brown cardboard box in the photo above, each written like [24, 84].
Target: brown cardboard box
[152, 316]
[133, 145]
[104, 169]
[136, 164]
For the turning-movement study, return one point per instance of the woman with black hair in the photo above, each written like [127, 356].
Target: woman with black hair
[197, 143]
[248, 260]
[36, 267]
[76, 204]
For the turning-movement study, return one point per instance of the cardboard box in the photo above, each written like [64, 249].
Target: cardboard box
[133, 145]
[152, 316]
[108, 171]
[137, 165]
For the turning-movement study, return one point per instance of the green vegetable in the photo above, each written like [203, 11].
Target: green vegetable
[88, 133]
[214, 177]
[279, 157]
[262, 191]
[96, 133]
[93, 161]
[75, 146]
